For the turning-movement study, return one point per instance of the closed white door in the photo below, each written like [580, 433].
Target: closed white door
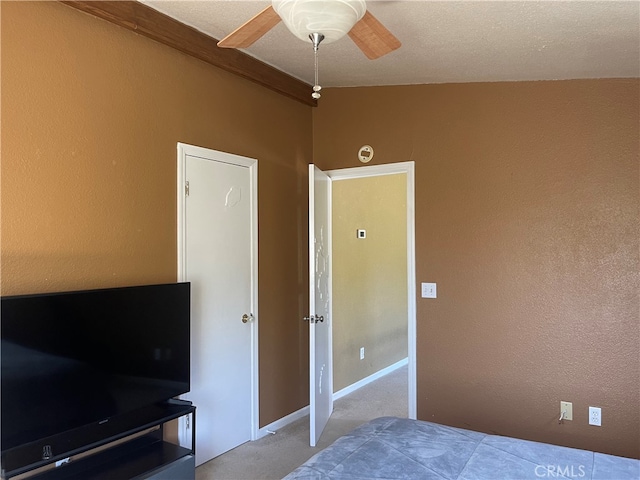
[218, 255]
[320, 345]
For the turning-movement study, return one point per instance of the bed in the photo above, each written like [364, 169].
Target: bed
[399, 448]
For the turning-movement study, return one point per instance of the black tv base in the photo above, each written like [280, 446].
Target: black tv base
[125, 456]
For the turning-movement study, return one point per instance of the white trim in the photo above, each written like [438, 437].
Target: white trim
[330, 286]
[273, 427]
[389, 169]
[185, 150]
[371, 378]
[371, 170]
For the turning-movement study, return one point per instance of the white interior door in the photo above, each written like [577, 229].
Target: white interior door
[320, 364]
[218, 253]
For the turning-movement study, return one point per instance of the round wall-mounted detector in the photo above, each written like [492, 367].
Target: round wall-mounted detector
[365, 154]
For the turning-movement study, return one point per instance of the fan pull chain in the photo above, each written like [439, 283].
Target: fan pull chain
[316, 87]
[316, 38]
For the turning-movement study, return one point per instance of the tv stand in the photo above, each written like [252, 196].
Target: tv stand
[136, 449]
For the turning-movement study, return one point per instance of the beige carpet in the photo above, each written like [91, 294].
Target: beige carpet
[274, 456]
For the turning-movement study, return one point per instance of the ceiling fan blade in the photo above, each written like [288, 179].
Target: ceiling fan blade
[246, 34]
[373, 38]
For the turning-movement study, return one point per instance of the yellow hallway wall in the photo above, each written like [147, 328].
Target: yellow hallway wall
[527, 218]
[91, 115]
[369, 276]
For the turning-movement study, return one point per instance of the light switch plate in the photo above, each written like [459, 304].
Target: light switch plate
[567, 409]
[429, 290]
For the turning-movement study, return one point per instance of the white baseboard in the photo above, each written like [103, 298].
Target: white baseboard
[361, 383]
[273, 427]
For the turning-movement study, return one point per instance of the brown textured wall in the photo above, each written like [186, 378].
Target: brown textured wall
[369, 288]
[91, 115]
[527, 217]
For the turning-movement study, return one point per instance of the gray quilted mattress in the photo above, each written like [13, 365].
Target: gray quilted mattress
[399, 448]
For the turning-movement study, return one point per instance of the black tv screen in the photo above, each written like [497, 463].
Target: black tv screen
[76, 358]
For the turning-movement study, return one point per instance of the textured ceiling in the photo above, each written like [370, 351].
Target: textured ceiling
[449, 41]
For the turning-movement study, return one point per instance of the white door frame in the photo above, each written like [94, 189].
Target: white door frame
[390, 169]
[185, 150]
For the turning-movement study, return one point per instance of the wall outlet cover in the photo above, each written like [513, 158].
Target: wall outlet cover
[595, 416]
[429, 290]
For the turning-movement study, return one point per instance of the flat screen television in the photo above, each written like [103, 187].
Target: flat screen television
[74, 359]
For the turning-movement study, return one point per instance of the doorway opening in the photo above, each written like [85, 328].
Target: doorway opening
[405, 171]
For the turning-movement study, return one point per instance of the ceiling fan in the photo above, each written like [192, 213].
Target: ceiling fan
[315, 21]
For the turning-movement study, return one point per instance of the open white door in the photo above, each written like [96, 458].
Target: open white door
[320, 365]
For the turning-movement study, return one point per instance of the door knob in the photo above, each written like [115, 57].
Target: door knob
[247, 317]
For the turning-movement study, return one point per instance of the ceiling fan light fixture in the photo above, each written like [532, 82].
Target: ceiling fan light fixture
[332, 18]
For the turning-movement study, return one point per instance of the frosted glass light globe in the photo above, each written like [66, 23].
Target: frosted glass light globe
[332, 18]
